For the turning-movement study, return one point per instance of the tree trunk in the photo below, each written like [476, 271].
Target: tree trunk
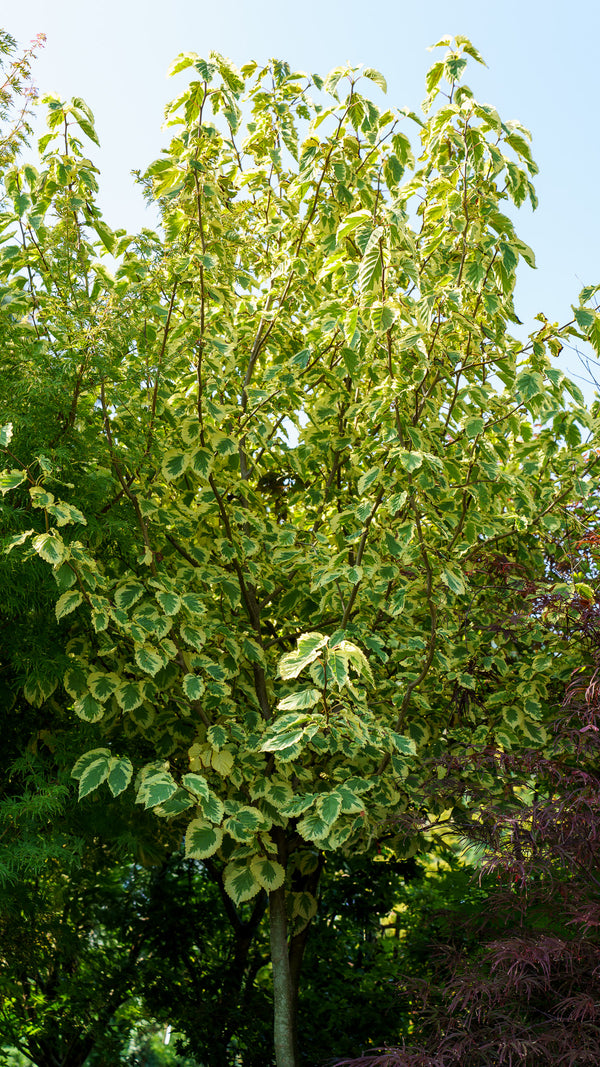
[297, 948]
[283, 992]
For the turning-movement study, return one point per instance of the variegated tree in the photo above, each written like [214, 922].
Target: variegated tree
[298, 484]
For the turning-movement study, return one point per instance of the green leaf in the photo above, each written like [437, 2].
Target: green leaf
[104, 232]
[67, 603]
[75, 680]
[473, 427]
[202, 839]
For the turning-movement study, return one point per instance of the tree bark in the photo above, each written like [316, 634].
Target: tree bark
[297, 947]
[283, 992]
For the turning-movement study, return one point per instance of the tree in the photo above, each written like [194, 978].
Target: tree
[17, 94]
[289, 438]
[517, 980]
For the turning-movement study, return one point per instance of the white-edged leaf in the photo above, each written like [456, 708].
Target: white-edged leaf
[377, 77]
[130, 695]
[174, 464]
[202, 839]
[304, 698]
[119, 774]
[67, 603]
[50, 547]
[88, 709]
[148, 660]
[10, 480]
[196, 784]
[240, 882]
[308, 648]
[40, 498]
[127, 594]
[222, 762]
[269, 873]
[169, 602]
[453, 578]
[93, 774]
[213, 808]
[201, 462]
[193, 686]
[87, 759]
[368, 479]
[155, 788]
[6, 433]
[102, 685]
[217, 735]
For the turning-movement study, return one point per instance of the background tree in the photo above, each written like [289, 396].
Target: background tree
[290, 436]
[515, 977]
[17, 94]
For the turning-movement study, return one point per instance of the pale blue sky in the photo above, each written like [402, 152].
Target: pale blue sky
[543, 69]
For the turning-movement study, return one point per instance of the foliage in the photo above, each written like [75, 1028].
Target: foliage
[284, 462]
[522, 987]
[17, 94]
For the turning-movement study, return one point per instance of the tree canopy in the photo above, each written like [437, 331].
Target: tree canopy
[298, 485]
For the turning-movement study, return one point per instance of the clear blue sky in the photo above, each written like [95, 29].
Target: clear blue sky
[543, 69]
